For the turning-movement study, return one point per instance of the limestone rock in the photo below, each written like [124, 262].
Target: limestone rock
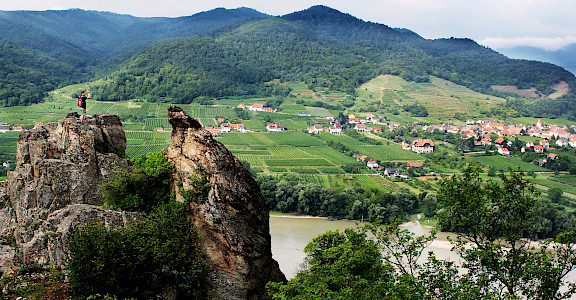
[59, 168]
[227, 208]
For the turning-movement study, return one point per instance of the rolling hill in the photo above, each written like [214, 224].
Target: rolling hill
[223, 53]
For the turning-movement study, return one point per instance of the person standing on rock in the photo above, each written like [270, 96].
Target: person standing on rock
[82, 102]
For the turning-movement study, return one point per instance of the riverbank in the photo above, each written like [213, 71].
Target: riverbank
[277, 214]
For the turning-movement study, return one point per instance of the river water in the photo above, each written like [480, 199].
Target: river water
[291, 234]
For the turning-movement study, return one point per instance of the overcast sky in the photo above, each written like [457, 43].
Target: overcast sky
[547, 24]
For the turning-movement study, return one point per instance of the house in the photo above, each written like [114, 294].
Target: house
[242, 106]
[561, 142]
[336, 129]
[415, 165]
[529, 145]
[502, 142]
[220, 120]
[38, 124]
[552, 156]
[304, 114]
[225, 127]
[360, 157]
[504, 151]
[269, 109]
[538, 149]
[372, 164]
[376, 129]
[159, 129]
[351, 116]
[391, 173]
[238, 127]
[256, 107]
[470, 122]
[423, 146]
[213, 130]
[17, 128]
[353, 120]
[544, 143]
[572, 143]
[362, 128]
[4, 127]
[406, 146]
[241, 128]
[317, 128]
[275, 127]
[542, 163]
[329, 117]
[394, 124]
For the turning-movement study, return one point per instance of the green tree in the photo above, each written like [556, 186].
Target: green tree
[496, 222]
[555, 194]
[341, 265]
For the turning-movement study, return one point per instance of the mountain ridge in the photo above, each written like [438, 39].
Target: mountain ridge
[327, 48]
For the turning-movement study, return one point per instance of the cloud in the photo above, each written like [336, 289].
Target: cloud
[550, 44]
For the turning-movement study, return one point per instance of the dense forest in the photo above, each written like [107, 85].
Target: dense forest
[224, 53]
[320, 47]
[27, 75]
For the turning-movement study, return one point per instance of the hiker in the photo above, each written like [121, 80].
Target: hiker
[82, 101]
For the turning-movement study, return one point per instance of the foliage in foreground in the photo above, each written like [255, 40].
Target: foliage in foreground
[141, 261]
[496, 222]
[147, 186]
[492, 219]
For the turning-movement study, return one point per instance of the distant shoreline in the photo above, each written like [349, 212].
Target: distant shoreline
[296, 217]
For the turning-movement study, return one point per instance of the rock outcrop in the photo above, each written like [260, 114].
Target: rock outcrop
[227, 208]
[59, 169]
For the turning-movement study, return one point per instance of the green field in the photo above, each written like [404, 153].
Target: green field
[441, 98]
[502, 163]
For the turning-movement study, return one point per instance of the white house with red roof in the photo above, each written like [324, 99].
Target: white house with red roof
[317, 128]
[362, 128]
[504, 151]
[423, 146]
[372, 164]
[336, 129]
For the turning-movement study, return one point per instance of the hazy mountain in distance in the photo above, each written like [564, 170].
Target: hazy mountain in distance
[565, 57]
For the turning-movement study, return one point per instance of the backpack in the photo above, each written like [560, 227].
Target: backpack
[80, 102]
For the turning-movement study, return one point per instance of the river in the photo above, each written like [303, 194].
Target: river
[291, 234]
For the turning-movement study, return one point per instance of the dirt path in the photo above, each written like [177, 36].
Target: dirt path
[547, 188]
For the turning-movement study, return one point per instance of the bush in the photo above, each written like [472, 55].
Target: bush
[140, 261]
[143, 189]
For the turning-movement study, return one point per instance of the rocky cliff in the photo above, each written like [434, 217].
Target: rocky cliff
[55, 187]
[227, 208]
[59, 169]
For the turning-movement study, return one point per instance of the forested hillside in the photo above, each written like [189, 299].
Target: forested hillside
[223, 53]
[322, 47]
[26, 75]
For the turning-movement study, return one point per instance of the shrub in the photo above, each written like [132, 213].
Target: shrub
[143, 189]
[140, 261]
